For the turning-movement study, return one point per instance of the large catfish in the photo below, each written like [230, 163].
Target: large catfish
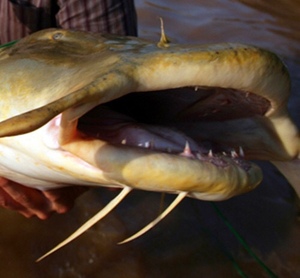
[85, 109]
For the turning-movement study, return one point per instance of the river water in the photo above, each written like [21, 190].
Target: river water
[194, 240]
[274, 27]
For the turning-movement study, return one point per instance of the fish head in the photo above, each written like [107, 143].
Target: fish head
[87, 109]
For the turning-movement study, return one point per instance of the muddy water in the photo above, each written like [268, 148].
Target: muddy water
[274, 27]
[194, 240]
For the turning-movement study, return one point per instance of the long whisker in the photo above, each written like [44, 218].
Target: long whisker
[177, 200]
[102, 213]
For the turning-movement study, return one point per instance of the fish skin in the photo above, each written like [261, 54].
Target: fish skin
[70, 72]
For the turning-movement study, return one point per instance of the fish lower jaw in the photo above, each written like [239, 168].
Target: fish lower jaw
[206, 177]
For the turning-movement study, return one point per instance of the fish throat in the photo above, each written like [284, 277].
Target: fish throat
[160, 121]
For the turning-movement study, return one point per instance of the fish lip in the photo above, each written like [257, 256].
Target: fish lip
[150, 170]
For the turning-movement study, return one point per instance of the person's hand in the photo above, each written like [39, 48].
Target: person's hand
[32, 202]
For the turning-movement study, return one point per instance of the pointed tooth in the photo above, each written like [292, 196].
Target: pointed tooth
[123, 142]
[210, 153]
[196, 88]
[187, 150]
[102, 213]
[234, 154]
[177, 200]
[147, 145]
[241, 152]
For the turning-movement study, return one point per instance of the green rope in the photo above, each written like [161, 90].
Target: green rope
[220, 243]
[8, 44]
[235, 264]
[242, 241]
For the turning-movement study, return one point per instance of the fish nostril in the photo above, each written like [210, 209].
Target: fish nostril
[57, 36]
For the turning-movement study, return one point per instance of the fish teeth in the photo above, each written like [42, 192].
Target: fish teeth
[234, 154]
[146, 145]
[241, 152]
[187, 150]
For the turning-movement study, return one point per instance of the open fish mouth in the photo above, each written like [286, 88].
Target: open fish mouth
[94, 110]
[152, 134]
[121, 111]
[114, 106]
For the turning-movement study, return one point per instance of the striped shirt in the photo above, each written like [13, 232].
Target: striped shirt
[19, 18]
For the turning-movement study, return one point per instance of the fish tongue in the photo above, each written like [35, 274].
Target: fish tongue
[116, 128]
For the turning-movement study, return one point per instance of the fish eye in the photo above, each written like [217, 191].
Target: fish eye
[57, 36]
